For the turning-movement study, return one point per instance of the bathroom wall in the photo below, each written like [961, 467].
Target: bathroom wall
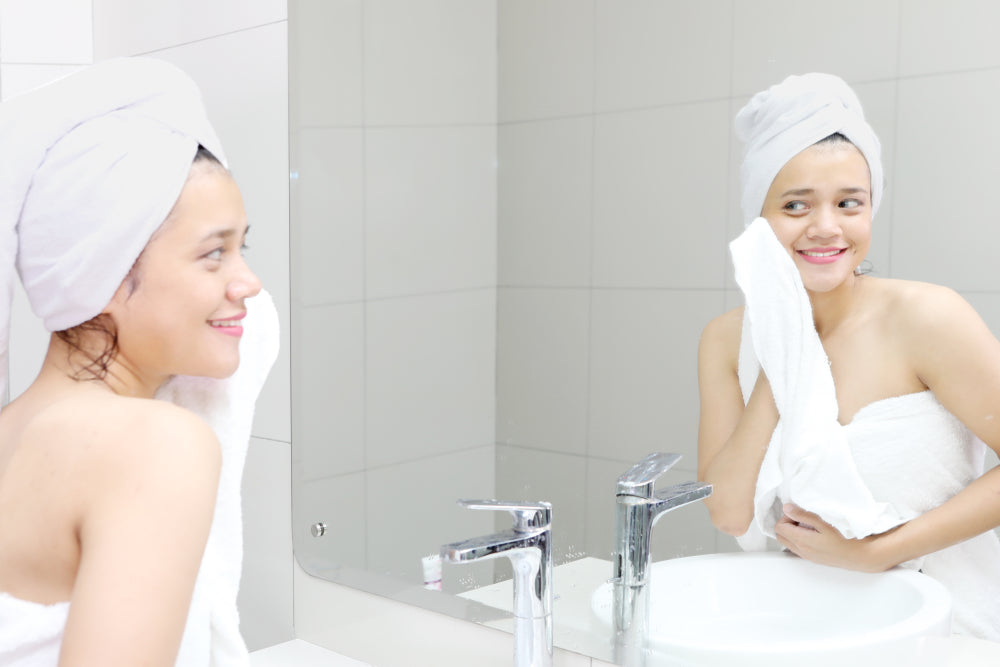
[236, 51]
[619, 191]
[393, 191]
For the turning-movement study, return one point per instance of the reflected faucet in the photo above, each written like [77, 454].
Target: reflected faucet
[529, 547]
[637, 510]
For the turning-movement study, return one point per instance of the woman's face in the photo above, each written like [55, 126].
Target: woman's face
[819, 207]
[181, 313]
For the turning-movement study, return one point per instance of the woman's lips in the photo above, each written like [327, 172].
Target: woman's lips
[821, 255]
[230, 326]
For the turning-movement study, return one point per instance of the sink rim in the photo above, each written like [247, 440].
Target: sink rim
[934, 611]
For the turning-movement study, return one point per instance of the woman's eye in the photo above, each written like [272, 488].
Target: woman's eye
[850, 203]
[795, 206]
[215, 254]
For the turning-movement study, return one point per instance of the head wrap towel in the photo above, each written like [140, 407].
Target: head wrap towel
[782, 121]
[89, 167]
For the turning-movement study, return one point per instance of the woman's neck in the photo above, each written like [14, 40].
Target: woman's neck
[831, 309]
[118, 376]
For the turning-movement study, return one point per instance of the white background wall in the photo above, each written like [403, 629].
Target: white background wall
[237, 52]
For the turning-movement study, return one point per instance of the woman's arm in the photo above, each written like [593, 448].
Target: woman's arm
[732, 439]
[958, 358]
[142, 533]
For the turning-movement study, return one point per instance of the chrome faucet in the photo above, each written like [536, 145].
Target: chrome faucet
[529, 547]
[637, 510]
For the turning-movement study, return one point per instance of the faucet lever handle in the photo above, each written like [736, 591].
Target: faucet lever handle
[640, 478]
[528, 516]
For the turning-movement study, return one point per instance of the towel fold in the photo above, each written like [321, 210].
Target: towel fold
[808, 461]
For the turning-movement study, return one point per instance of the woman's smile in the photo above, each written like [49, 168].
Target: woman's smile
[822, 255]
[231, 326]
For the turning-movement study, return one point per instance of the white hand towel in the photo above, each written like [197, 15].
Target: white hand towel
[808, 461]
[212, 634]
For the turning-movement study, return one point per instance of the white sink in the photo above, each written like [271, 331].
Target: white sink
[777, 609]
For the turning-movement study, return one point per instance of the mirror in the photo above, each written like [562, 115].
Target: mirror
[510, 224]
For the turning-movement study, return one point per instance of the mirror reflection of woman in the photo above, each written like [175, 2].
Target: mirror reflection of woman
[915, 369]
[130, 235]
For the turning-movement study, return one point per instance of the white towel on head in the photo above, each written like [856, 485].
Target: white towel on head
[92, 164]
[808, 461]
[212, 634]
[782, 121]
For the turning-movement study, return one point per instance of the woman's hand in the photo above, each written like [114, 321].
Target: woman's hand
[806, 535]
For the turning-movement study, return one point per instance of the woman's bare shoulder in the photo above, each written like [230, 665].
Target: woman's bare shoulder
[913, 303]
[724, 331]
[96, 430]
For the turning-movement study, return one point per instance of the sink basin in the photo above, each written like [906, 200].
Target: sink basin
[778, 609]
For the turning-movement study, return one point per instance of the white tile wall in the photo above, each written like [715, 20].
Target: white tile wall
[133, 27]
[46, 32]
[544, 216]
[857, 40]
[542, 369]
[328, 405]
[540, 76]
[430, 204]
[405, 501]
[942, 37]
[660, 196]
[445, 399]
[328, 199]
[326, 46]
[643, 376]
[646, 51]
[413, 75]
[943, 157]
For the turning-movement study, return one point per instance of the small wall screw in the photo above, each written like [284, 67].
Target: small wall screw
[318, 529]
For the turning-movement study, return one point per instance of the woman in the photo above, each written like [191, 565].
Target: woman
[129, 234]
[867, 393]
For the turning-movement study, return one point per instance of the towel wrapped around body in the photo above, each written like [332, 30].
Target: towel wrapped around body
[897, 458]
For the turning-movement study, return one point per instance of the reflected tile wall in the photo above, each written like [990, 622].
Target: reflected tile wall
[394, 274]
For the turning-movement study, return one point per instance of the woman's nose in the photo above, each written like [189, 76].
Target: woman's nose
[824, 224]
[244, 283]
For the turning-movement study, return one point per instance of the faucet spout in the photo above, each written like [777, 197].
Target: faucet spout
[529, 547]
[491, 546]
[637, 509]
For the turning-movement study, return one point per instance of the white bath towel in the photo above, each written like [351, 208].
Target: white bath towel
[911, 449]
[808, 461]
[896, 459]
[212, 634]
[30, 633]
